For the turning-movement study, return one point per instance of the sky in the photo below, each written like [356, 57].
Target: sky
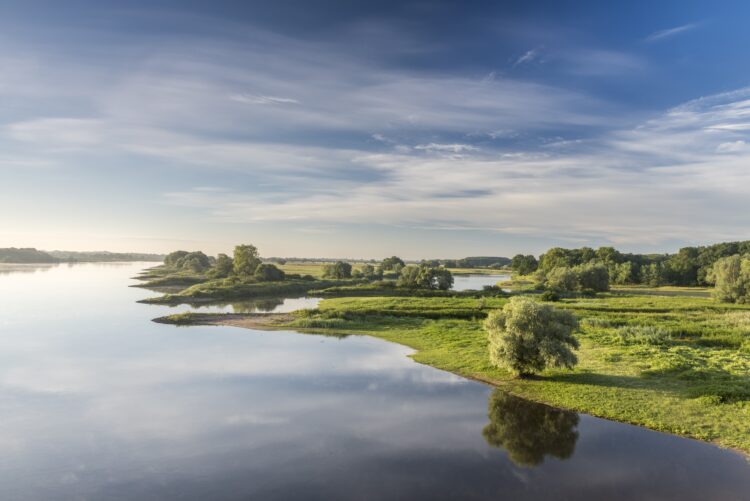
[329, 128]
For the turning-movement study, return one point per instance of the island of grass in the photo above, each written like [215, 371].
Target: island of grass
[678, 364]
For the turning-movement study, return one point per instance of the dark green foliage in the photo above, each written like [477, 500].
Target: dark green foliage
[393, 263]
[425, 277]
[172, 258]
[245, 261]
[523, 265]
[268, 273]
[223, 267]
[550, 296]
[368, 272]
[530, 431]
[196, 262]
[526, 336]
[594, 277]
[338, 270]
[689, 266]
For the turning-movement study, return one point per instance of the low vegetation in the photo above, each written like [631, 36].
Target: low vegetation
[679, 364]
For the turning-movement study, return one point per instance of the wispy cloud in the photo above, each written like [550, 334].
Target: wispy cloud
[528, 56]
[662, 169]
[670, 32]
[257, 99]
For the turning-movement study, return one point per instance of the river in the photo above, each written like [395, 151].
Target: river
[99, 403]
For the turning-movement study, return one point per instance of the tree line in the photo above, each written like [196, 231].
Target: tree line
[724, 265]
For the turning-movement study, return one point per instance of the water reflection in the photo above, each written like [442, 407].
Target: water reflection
[530, 431]
[476, 282]
[98, 402]
[258, 305]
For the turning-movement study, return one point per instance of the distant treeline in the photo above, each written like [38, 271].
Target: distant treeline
[471, 262]
[689, 266]
[31, 255]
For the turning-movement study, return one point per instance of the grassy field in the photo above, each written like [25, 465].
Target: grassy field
[678, 364]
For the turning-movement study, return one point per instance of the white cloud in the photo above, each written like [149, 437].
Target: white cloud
[528, 56]
[452, 148]
[670, 32]
[253, 99]
[648, 177]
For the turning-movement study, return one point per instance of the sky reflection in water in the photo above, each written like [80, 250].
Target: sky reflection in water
[97, 402]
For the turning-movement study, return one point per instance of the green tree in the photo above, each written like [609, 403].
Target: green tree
[592, 276]
[425, 277]
[523, 265]
[527, 336]
[173, 258]
[625, 273]
[562, 279]
[732, 278]
[222, 267]
[268, 273]
[246, 260]
[368, 272]
[530, 431]
[393, 263]
[338, 270]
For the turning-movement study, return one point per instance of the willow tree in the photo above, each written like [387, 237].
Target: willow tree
[527, 337]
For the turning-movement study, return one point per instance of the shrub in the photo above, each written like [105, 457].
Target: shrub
[551, 296]
[268, 273]
[526, 336]
[643, 334]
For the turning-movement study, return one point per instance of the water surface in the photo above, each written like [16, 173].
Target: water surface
[476, 282]
[99, 403]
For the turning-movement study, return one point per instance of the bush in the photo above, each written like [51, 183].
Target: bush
[643, 334]
[551, 296]
[268, 273]
[526, 336]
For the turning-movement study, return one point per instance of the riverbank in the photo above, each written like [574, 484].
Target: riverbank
[691, 377]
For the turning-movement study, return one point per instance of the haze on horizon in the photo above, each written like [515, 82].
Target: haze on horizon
[365, 129]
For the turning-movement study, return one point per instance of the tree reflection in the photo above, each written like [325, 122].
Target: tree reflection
[263, 305]
[528, 430]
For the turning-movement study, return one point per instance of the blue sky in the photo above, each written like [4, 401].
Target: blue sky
[364, 129]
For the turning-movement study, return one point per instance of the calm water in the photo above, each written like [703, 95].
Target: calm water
[266, 305]
[99, 403]
[476, 282]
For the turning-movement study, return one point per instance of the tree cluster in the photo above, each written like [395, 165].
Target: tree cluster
[584, 277]
[196, 262]
[425, 277]
[690, 266]
[338, 270]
